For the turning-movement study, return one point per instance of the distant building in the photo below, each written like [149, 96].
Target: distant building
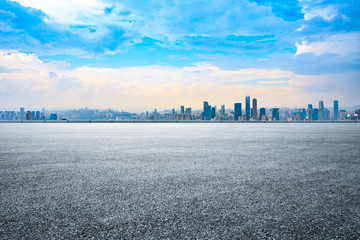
[327, 114]
[222, 111]
[309, 112]
[182, 109]
[254, 109]
[321, 110]
[315, 114]
[213, 113]
[29, 115]
[179, 116]
[275, 114]
[37, 117]
[247, 107]
[336, 109]
[262, 114]
[188, 111]
[22, 114]
[53, 116]
[237, 111]
[342, 114]
[206, 111]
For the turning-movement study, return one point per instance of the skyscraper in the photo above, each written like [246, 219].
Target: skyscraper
[213, 113]
[237, 111]
[37, 117]
[222, 112]
[315, 114]
[254, 109]
[182, 109]
[275, 114]
[22, 114]
[310, 112]
[208, 112]
[262, 113]
[247, 107]
[321, 110]
[336, 109]
[29, 115]
[205, 113]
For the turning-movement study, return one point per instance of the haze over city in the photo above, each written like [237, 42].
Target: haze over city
[138, 55]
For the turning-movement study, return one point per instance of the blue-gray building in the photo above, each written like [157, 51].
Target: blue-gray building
[247, 107]
[237, 111]
[336, 109]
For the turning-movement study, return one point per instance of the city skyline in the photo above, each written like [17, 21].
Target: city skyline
[250, 112]
[136, 54]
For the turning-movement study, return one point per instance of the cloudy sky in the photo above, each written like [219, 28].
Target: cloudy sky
[139, 54]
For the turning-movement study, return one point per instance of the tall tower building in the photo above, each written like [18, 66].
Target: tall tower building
[315, 114]
[237, 111]
[182, 109]
[22, 114]
[321, 110]
[275, 114]
[222, 111]
[213, 112]
[336, 109]
[247, 107]
[262, 114]
[310, 112]
[254, 109]
[204, 115]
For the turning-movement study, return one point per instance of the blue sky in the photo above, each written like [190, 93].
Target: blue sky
[136, 54]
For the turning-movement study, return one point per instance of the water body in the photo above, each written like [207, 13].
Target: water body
[176, 181]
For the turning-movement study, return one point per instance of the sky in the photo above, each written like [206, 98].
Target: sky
[144, 54]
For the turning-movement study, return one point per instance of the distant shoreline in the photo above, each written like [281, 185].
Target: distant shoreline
[169, 121]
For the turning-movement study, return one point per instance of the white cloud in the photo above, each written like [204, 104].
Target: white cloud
[68, 12]
[27, 81]
[342, 44]
[327, 13]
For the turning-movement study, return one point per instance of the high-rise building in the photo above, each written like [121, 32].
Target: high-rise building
[254, 109]
[327, 114]
[37, 115]
[262, 114]
[22, 114]
[315, 114]
[336, 109]
[247, 107]
[213, 113]
[208, 112]
[29, 115]
[205, 111]
[309, 111]
[188, 111]
[182, 109]
[237, 111]
[222, 111]
[321, 110]
[275, 114]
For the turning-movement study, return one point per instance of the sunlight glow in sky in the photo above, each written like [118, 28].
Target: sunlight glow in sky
[137, 54]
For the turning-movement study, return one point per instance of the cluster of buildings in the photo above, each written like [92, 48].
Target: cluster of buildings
[23, 115]
[247, 112]
[251, 112]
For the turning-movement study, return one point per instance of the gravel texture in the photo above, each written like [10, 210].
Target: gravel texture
[179, 181]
